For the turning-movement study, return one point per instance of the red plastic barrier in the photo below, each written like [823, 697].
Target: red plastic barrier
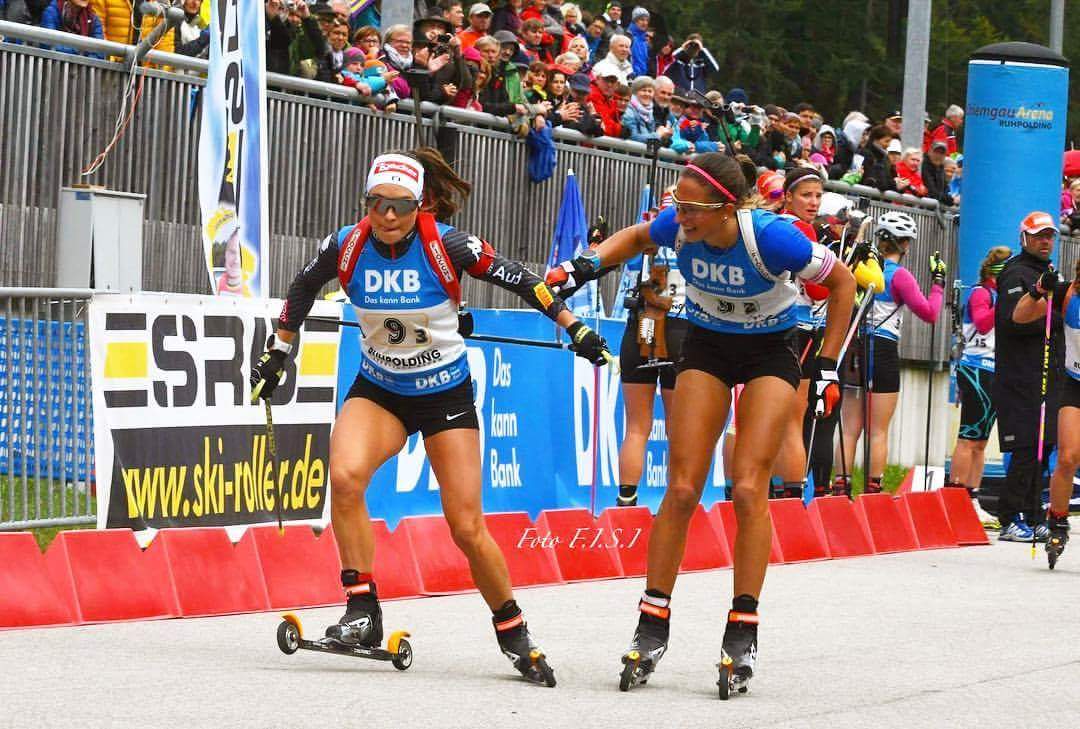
[840, 527]
[889, 526]
[108, 577]
[932, 530]
[209, 574]
[723, 512]
[27, 595]
[906, 484]
[442, 566]
[396, 573]
[704, 550]
[962, 517]
[629, 528]
[799, 540]
[528, 561]
[299, 569]
[581, 548]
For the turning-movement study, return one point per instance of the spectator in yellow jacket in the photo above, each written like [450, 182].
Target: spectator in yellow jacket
[116, 19]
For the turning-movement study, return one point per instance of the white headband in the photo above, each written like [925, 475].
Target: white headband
[396, 169]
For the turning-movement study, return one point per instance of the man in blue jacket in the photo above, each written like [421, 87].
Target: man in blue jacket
[639, 33]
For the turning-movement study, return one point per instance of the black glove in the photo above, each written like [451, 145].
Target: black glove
[588, 344]
[569, 276]
[824, 388]
[1044, 285]
[937, 269]
[266, 373]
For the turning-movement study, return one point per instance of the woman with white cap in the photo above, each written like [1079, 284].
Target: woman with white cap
[401, 267]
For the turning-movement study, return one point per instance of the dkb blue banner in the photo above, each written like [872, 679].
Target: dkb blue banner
[536, 410]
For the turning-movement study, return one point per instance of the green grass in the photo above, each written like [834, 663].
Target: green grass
[76, 503]
[890, 480]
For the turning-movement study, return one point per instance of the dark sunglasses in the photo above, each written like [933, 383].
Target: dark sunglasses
[399, 205]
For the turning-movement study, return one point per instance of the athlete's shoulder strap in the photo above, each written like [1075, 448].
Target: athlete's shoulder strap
[428, 231]
[749, 237]
[349, 252]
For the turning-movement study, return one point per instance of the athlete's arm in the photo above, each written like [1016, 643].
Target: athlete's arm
[981, 307]
[841, 285]
[905, 291]
[305, 288]
[476, 257]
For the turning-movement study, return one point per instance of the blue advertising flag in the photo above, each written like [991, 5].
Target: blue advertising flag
[570, 238]
[631, 269]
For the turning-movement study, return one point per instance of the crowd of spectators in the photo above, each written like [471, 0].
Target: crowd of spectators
[549, 63]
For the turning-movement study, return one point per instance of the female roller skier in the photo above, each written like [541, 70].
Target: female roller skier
[1032, 308]
[738, 265]
[895, 232]
[401, 268]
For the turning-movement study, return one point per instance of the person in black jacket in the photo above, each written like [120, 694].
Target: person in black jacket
[877, 169]
[933, 173]
[1018, 382]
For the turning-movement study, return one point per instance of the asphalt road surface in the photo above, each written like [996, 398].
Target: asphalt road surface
[970, 637]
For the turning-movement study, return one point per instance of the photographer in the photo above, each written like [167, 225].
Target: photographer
[692, 65]
[736, 123]
[437, 49]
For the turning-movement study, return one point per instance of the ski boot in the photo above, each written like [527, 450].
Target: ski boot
[873, 486]
[794, 489]
[516, 644]
[841, 486]
[738, 653]
[1059, 537]
[627, 495]
[361, 625]
[649, 643]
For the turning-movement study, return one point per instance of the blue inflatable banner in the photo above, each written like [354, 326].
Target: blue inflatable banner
[536, 408]
[1013, 145]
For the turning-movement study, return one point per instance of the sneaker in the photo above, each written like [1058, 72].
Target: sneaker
[1016, 531]
[1042, 533]
[988, 520]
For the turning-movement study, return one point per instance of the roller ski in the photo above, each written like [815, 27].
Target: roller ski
[738, 654]
[290, 638]
[1059, 537]
[516, 644]
[358, 633]
[649, 643]
[841, 486]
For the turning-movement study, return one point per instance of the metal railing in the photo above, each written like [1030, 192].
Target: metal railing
[46, 431]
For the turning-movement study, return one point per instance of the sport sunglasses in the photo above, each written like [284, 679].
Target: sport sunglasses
[686, 206]
[399, 205]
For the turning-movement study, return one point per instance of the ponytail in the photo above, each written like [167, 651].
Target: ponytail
[445, 191]
[993, 262]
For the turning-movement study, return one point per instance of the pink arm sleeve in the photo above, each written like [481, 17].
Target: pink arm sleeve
[982, 311]
[905, 290]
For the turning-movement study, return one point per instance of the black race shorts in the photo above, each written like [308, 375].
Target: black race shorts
[885, 370]
[977, 414]
[630, 359]
[1070, 392]
[430, 413]
[736, 359]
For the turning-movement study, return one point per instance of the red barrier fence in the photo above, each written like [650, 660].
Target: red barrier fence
[101, 576]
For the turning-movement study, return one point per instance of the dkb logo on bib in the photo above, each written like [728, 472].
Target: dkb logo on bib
[718, 272]
[392, 282]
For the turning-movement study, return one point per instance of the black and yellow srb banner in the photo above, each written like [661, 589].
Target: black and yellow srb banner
[217, 475]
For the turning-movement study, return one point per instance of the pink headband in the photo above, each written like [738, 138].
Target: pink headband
[712, 181]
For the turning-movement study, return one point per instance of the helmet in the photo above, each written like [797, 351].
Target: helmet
[896, 225]
[832, 203]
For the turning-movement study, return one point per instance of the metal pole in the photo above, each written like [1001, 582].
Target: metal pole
[916, 55]
[1057, 24]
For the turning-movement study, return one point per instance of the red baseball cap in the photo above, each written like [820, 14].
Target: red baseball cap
[770, 185]
[1037, 221]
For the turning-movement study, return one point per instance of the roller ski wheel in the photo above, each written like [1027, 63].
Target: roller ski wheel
[738, 655]
[641, 660]
[290, 638]
[526, 656]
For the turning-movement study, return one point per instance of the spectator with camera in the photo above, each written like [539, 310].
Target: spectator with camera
[438, 50]
[308, 43]
[692, 65]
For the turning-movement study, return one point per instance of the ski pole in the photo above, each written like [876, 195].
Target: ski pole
[271, 445]
[934, 259]
[1042, 407]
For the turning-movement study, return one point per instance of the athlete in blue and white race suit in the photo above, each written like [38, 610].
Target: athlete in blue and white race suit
[401, 269]
[975, 375]
[738, 265]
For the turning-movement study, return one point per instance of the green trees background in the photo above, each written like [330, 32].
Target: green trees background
[849, 54]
